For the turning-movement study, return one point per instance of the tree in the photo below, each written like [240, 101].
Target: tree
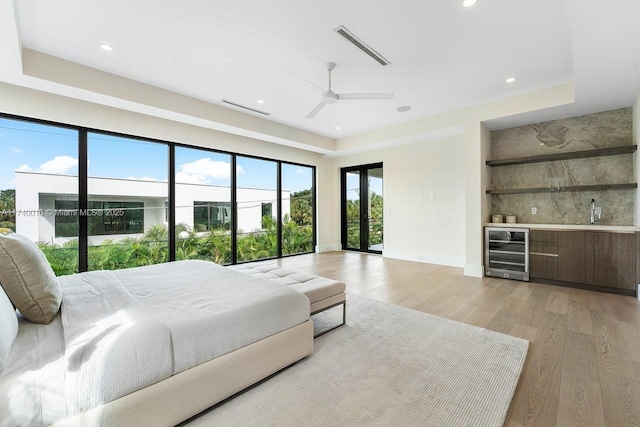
[7, 209]
[301, 209]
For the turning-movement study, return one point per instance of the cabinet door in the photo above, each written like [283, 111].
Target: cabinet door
[576, 256]
[543, 241]
[543, 266]
[543, 254]
[615, 261]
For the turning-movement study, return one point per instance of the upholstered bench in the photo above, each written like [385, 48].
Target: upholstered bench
[323, 293]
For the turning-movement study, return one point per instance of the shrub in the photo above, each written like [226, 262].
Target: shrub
[152, 247]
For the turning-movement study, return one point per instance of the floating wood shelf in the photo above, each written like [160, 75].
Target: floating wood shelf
[625, 149]
[601, 187]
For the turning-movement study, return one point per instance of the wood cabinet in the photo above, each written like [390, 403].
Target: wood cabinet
[595, 260]
[543, 254]
[615, 260]
[576, 257]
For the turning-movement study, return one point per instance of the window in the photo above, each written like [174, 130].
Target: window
[127, 191]
[257, 197]
[37, 162]
[66, 218]
[267, 209]
[297, 209]
[105, 218]
[211, 215]
[203, 205]
[224, 207]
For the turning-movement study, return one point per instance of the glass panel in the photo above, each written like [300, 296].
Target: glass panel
[256, 193]
[353, 209]
[297, 209]
[38, 166]
[203, 205]
[375, 209]
[128, 192]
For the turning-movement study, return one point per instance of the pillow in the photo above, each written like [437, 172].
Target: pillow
[28, 280]
[8, 327]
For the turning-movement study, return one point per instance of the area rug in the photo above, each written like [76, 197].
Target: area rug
[389, 366]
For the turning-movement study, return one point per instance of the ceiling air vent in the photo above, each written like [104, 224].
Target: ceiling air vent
[264, 113]
[348, 35]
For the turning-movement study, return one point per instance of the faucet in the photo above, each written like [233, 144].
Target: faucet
[593, 211]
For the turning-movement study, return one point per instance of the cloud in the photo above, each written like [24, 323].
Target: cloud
[204, 171]
[16, 150]
[301, 171]
[59, 165]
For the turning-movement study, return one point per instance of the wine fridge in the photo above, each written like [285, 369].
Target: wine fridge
[506, 252]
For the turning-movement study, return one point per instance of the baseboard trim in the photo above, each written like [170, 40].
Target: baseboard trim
[450, 261]
[473, 270]
[328, 248]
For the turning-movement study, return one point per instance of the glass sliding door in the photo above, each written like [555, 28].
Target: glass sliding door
[374, 209]
[257, 209]
[297, 209]
[352, 209]
[362, 208]
[127, 202]
[39, 189]
[203, 205]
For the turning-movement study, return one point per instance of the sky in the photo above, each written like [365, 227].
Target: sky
[33, 147]
[353, 185]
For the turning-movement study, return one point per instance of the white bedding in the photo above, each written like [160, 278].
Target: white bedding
[32, 384]
[126, 329]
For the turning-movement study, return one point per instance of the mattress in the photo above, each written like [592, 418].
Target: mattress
[121, 331]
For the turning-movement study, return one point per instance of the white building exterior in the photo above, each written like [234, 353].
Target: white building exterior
[37, 193]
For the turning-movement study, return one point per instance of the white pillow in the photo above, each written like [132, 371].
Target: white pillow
[28, 280]
[8, 327]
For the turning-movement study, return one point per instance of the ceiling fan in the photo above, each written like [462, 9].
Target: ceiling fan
[330, 97]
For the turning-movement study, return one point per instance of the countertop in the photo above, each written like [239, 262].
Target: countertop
[595, 227]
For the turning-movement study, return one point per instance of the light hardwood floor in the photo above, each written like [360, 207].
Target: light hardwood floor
[583, 366]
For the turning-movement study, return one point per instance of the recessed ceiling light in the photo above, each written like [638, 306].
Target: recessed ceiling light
[403, 109]
[338, 128]
[260, 101]
[106, 47]
[510, 80]
[469, 3]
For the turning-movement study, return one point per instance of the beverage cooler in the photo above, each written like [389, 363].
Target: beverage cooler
[506, 252]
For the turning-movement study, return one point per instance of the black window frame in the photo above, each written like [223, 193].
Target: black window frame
[83, 196]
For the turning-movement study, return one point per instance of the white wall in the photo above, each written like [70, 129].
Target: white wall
[418, 228]
[472, 155]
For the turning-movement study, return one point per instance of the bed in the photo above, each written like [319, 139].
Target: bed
[151, 345]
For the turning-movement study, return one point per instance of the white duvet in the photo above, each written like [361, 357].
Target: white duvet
[127, 329]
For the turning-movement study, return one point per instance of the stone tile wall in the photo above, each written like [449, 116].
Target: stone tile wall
[600, 130]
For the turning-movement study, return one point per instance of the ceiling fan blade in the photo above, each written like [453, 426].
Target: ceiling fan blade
[318, 88]
[315, 110]
[365, 96]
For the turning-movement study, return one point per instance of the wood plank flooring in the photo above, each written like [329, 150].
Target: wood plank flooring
[583, 366]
